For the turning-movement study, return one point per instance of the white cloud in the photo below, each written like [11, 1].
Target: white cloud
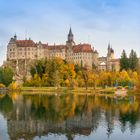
[97, 22]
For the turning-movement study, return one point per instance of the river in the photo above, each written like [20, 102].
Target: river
[68, 117]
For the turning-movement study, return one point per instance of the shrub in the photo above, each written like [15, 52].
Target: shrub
[13, 86]
[126, 87]
[2, 85]
[119, 87]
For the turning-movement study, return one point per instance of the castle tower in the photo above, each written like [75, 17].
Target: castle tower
[70, 40]
[69, 43]
[95, 58]
[108, 50]
[110, 53]
[110, 56]
[70, 36]
[15, 37]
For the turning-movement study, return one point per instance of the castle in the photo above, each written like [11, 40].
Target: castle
[22, 53]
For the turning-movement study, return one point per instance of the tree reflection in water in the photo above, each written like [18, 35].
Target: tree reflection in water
[38, 115]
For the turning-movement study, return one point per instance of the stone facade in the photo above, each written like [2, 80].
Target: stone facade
[109, 63]
[22, 53]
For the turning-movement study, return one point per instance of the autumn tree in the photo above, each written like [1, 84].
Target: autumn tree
[85, 76]
[104, 79]
[38, 68]
[124, 78]
[52, 72]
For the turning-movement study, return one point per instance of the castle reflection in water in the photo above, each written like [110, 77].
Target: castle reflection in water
[29, 116]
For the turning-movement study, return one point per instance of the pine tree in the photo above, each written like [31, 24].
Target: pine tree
[133, 60]
[124, 63]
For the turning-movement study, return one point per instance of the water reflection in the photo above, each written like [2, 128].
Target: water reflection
[70, 115]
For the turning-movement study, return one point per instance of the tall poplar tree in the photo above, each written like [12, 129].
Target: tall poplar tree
[124, 63]
[133, 60]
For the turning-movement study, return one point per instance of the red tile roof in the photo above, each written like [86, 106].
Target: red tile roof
[82, 48]
[25, 43]
[45, 45]
[56, 47]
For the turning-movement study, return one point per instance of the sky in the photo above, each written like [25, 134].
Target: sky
[97, 22]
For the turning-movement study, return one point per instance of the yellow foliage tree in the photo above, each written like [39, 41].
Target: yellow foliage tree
[13, 86]
[2, 85]
[124, 78]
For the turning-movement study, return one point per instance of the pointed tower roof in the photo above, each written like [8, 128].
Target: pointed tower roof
[70, 36]
[109, 46]
[70, 32]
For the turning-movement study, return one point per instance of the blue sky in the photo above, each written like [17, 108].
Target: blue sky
[93, 21]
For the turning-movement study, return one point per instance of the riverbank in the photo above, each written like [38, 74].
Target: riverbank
[109, 91]
[64, 90]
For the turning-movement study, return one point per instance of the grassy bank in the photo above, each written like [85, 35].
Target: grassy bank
[65, 90]
[107, 92]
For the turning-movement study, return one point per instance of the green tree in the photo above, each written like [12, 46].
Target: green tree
[6, 75]
[133, 60]
[124, 63]
[39, 68]
[85, 77]
[76, 68]
[51, 68]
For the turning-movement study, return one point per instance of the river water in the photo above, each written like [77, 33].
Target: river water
[68, 117]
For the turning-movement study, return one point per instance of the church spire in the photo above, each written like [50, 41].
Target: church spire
[70, 31]
[109, 46]
[70, 36]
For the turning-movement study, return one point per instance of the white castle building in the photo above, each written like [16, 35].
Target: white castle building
[22, 53]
